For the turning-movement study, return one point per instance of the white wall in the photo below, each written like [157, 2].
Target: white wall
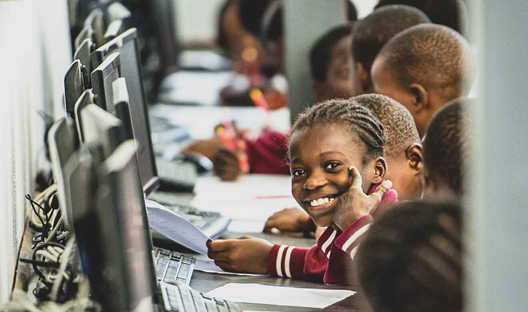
[197, 20]
[34, 55]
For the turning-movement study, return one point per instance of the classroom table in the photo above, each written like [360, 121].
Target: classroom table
[206, 282]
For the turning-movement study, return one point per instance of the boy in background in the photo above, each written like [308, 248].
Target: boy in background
[450, 13]
[372, 33]
[423, 68]
[331, 64]
[412, 259]
[445, 148]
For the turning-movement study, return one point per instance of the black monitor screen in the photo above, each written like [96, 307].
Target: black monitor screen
[132, 227]
[102, 78]
[126, 45]
[73, 86]
[62, 145]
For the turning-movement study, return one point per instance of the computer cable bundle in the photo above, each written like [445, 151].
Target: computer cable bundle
[46, 217]
[60, 287]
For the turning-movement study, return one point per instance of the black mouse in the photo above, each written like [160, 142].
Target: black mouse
[202, 163]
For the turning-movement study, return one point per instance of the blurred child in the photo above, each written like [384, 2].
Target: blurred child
[412, 259]
[233, 38]
[331, 64]
[423, 68]
[445, 148]
[372, 33]
[403, 153]
[336, 152]
[450, 13]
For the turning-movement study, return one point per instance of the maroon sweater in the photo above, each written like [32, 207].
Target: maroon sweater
[267, 154]
[330, 260]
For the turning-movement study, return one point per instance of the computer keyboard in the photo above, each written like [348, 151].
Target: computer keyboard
[182, 298]
[172, 267]
[212, 223]
[176, 176]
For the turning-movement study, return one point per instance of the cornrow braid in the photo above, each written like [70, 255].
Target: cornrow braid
[351, 114]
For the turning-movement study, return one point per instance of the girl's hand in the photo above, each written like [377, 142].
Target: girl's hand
[244, 254]
[226, 164]
[355, 203]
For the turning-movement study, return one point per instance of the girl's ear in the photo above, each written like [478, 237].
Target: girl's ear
[380, 170]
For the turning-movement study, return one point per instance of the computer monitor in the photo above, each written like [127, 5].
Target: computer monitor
[62, 142]
[129, 279]
[86, 99]
[85, 33]
[83, 55]
[117, 11]
[126, 45]
[73, 86]
[122, 108]
[80, 174]
[95, 20]
[111, 227]
[103, 128]
[102, 78]
[114, 29]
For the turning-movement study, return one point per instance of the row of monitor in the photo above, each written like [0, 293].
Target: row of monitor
[104, 164]
[116, 58]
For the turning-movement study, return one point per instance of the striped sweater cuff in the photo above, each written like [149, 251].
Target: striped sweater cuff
[349, 239]
[286, 261]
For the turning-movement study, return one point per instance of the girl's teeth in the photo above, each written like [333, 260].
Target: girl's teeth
[321, 201]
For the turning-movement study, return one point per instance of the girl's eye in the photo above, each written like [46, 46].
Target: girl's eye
[332, 165]
[298, 172]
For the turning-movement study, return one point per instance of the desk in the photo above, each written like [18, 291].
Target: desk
[206, 282]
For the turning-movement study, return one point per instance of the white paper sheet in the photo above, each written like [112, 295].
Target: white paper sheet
[279, 295]
[253, 197]
[176, 228]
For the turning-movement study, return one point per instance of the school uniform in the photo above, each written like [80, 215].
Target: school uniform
[331, 259]
[267, 154]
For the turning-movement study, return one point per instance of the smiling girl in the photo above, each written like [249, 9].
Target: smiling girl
[336, 153]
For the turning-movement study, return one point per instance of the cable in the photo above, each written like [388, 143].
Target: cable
[61, 274]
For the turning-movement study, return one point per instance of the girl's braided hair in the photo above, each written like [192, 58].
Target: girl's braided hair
[350, 113]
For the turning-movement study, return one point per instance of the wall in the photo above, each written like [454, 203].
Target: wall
[34, 55]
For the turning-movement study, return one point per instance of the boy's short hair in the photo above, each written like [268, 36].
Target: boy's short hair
[446, 142]
[434, 56]
[450, 13]
[358, 119]
[374, 31]
[320, 53]
[398, 123]
[411, 259]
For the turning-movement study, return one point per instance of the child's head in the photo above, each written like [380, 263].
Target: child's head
[372, 33]
[325, 141]
[450, 13]
[330, 61]
[423, 68]
[233, 36]
[411, 259]
[403, 150]
[445, 146]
